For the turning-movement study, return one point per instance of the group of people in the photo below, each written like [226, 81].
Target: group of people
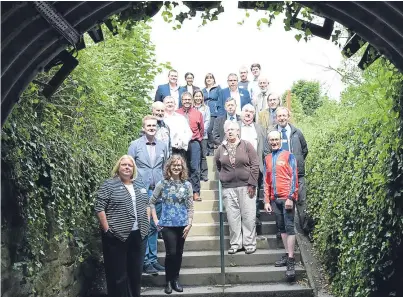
[154, 186]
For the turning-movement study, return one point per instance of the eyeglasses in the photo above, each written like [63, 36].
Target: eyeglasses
[208, 77]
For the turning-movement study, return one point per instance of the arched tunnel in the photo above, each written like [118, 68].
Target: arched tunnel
[35, 34]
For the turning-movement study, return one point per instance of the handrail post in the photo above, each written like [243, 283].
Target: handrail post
[222, 243]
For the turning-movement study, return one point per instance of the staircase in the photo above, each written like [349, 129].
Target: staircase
[251, 275]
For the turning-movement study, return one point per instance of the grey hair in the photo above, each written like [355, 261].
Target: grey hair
[157, 104]
[274, 132]
[249, 107]
[229, 123]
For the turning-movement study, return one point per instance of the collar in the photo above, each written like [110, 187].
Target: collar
[154, 142]
[249, 125]
[175, 88]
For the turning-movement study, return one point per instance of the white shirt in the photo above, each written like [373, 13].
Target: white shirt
[180, 132]
[175, 94]
[133, 194]
[249, 133]
[254, 88]
[237, 98]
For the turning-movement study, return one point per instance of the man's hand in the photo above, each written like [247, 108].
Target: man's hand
[251, 191]
[289, 204]
[267, 207]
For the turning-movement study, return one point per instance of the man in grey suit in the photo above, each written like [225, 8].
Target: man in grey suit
[150, 155]
[256, 135]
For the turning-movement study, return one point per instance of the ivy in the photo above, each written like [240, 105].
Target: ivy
[355, 184]
[58, 150]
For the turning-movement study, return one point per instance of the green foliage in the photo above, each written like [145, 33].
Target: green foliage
[59, 150]
[308, 93]
[355, 184]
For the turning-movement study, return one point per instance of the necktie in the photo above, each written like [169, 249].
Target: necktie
[284, 140]
[231, 118]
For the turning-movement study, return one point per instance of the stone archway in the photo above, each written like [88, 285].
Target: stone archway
[35, 34]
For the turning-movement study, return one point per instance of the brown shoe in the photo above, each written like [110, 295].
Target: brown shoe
[196, 197]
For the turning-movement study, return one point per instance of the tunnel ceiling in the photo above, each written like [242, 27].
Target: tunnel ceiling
[34, 35]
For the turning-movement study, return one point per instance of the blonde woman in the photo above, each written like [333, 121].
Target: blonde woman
[198, 103]
[123, 211]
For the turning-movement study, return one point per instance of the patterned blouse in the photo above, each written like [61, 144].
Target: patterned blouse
[177, 202]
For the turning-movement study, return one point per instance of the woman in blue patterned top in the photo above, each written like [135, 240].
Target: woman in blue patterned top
[176, 196]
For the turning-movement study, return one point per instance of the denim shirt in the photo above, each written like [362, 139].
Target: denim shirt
[214, 101]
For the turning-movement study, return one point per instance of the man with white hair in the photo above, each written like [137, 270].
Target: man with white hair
[238, 168]
[281, 195]
[163, 131]
[256, 135]
[260, 102]
[180, 133]
[294, 141]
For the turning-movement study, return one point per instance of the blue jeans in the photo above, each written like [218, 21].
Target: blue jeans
[152, 241]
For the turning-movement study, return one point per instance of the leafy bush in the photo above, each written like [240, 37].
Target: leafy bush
[355, 182]
[57, 151]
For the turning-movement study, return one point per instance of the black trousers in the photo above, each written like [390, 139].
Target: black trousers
[203, 162]
[260, 184]
[124, 264]
[174, 242]
[210, 142]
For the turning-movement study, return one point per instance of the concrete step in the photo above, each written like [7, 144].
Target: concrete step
[250, 290]
[234, 275]
[212, 175]
[209, 185]
[206, 205]
[207, 216]
[202, 259]
[212, 243]
[201, 229]
[209, 195]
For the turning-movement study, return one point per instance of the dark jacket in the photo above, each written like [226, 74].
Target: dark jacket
[218, 129]
[298, 147]
[164, 90]
[116, 201]
[214, 101]
[246, 171]
[243, 94]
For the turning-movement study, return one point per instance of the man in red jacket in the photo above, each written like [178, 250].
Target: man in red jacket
[281, 194]
[196, 124]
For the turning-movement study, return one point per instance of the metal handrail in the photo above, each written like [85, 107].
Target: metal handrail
[222, 243]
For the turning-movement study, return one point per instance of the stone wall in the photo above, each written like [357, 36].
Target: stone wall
[62, 274]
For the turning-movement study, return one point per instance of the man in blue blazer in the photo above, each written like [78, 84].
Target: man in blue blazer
[170, 89]
[150, 155]
[241, 96]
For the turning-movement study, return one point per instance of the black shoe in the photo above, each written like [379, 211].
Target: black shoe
[278, 235]
[282, 262]
[168, 288]
[149, 269]
[158, 266]
[290, 273]
[177, 286]
[258, 222]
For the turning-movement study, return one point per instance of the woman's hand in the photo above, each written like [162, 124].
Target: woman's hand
[186, 231]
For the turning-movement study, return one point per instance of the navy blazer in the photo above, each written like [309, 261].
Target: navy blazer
[165, 90]
[149, 172]
[243, 94]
